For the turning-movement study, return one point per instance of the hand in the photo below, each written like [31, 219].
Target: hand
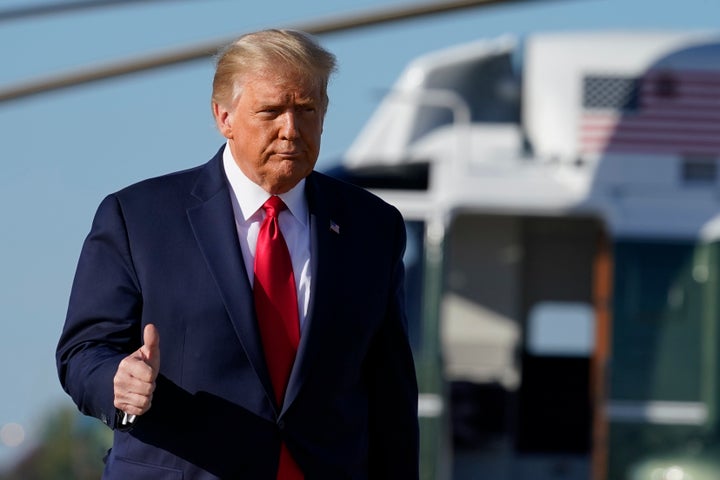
[134, 381]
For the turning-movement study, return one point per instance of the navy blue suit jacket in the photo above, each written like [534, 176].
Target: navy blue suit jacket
[165, 251]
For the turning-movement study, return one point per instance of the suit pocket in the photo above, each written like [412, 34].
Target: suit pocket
[125, 469]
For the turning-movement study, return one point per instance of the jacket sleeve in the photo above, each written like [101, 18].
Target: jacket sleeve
[394, 436]
[104, 313]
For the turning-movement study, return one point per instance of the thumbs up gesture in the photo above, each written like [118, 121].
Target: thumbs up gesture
[134, 381]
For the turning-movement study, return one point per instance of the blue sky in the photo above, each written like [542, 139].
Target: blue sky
[61, 153]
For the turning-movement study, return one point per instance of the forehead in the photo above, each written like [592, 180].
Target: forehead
[265, 85]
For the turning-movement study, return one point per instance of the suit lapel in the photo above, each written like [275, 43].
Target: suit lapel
[324, 250]
[213, 225]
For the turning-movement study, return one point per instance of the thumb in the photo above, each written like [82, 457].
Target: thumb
[151, 346]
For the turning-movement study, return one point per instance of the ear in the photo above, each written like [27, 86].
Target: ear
[222, 120]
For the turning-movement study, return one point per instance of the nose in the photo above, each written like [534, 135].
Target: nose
[288, 127]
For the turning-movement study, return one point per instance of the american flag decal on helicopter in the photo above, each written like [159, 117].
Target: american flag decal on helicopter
[667, 112]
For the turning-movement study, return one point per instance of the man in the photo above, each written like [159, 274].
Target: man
[217, 346]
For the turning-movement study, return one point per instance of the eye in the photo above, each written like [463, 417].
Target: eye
[268, 113]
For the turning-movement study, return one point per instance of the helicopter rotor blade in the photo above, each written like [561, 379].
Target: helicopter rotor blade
[40, 10]
[199, 51]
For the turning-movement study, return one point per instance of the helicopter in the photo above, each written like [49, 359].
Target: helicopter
[561, 195]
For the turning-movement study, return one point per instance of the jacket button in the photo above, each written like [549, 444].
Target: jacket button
[281, 424]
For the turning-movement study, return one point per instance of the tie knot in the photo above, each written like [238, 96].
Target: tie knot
[273, 206]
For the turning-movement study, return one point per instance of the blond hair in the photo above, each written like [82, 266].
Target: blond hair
[288, 49]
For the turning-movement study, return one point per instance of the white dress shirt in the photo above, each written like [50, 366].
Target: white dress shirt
[247, 200]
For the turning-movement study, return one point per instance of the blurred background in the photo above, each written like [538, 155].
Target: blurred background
[61, 152]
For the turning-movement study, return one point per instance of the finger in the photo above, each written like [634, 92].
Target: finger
[133, 398]
[151, 346]
[134, 406]
[126, 386]
[134, 368]
[126, 398]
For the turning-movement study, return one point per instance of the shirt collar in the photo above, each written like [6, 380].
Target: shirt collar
[250, 196]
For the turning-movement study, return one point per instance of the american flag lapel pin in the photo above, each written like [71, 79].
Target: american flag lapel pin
[334, 227]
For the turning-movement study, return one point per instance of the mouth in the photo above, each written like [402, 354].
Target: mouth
[289, 154]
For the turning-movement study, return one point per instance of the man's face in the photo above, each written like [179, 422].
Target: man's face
[274, 128]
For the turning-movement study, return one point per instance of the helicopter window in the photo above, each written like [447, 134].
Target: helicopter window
[699, 171]
[489, 86]
[658, 321]
[561, 329]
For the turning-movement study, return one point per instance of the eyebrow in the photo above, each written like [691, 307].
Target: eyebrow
[303, 102]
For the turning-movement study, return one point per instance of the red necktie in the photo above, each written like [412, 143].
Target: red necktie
[277, 313]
